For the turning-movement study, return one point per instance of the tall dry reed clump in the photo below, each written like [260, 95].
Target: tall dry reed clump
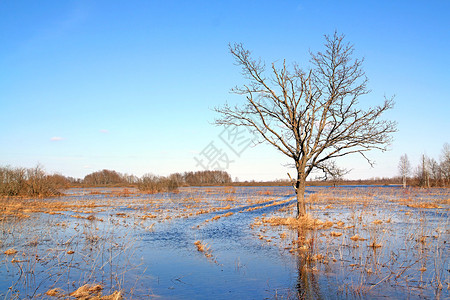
[32, 182]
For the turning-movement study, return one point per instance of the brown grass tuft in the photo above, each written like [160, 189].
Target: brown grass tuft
[86, 291]
[53, 292]
[357, 238]
[313, 198]
[200, 246]
[305, 222]
[374, 245]
[229, 190]
[335, 234]
[203, 247]
[424, 205]
[11, 251]
[117, 295]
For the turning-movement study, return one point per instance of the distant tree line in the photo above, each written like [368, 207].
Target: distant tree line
[429, 172]
[108, 177]
[34, 182]
[204, 177]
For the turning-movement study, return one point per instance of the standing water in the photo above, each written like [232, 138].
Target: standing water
[227, 242]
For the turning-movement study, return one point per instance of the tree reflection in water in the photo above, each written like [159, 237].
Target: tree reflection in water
[307, 285]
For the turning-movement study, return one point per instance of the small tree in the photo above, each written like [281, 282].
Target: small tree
[312, 115]
[422, 172]
[404, 168]
[445, 163]
[435, 171]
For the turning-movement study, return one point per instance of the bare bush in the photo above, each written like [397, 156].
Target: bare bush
[33, 182]
[104, 177]
[155, 184]
[206, 177]
[12, 181]
[59, 181]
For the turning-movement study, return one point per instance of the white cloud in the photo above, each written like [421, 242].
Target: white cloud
[56, 138]
[104, 130]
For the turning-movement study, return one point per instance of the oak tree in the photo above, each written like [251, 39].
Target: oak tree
[312, 115]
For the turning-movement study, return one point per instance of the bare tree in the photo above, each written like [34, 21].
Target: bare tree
[334, 173]
[32, 182]
[445, 163]
[422, 172]
[404, 168]
[435, 171]
[311, 116]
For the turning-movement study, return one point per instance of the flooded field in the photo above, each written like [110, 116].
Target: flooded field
[227, 242]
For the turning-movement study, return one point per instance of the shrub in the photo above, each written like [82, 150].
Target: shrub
[155, 184]
[31, 182]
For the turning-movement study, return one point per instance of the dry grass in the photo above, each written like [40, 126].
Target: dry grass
[267, 205]
[374, 244]
[11, 251]
[200, 246]
[204, 248]
[424, 205]
[305, 222]
[357, 238]
[149, 216]
[265, 193]
[220, 216]
[335, 234]
[90, 217]
[313, 198]
[93, 292]
[21, 208]
[86, 290]
[229, 190]
[54, 292]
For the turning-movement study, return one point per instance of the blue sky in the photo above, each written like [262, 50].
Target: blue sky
[130, 85]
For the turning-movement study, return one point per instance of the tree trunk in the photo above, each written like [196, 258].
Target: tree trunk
[300, 190]
[404, 181]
